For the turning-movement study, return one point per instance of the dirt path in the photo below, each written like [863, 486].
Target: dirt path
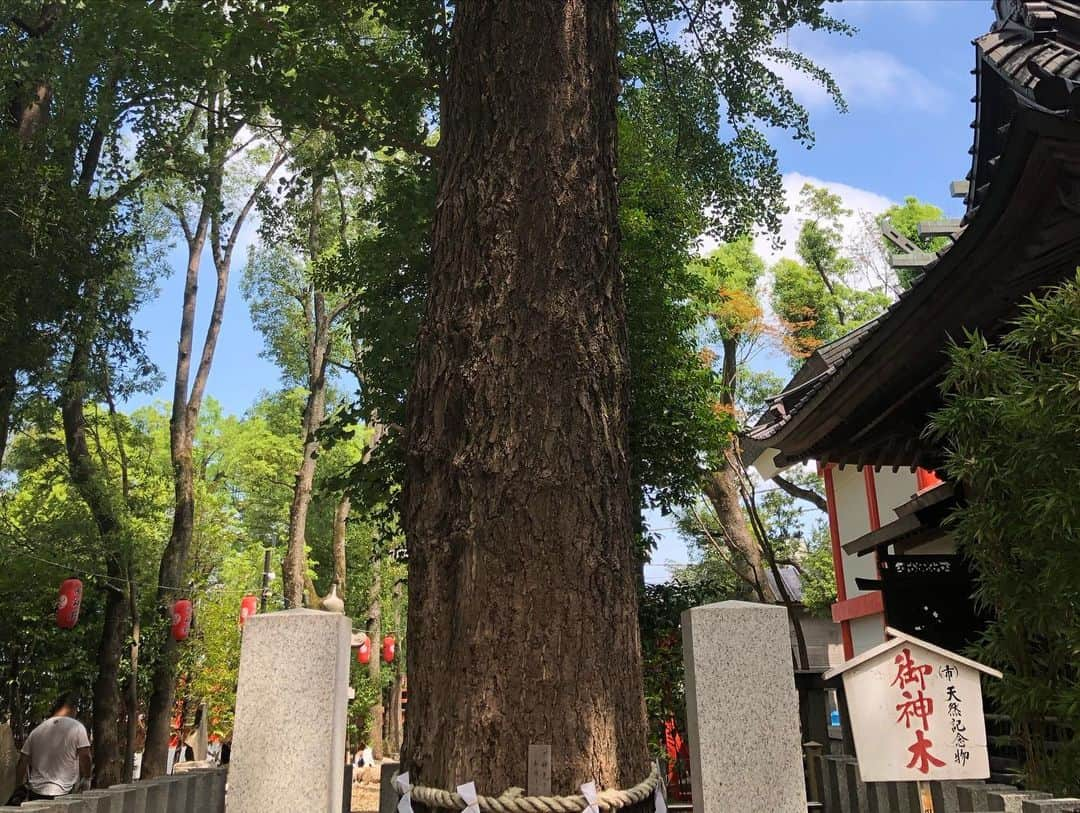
[365, 798]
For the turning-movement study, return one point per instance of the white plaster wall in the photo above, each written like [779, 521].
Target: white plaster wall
[893, 489]
[867, 632]
[853, 520]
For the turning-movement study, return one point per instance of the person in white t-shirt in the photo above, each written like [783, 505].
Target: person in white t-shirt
[55, 758]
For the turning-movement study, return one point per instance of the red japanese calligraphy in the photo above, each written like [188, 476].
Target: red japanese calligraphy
[919, 708]
[908, 671]
[920, 754]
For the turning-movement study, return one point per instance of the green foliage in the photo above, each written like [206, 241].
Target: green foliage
[674, 428]
[1010, 423]
[709, 75]
[816, 299]
[660, 607]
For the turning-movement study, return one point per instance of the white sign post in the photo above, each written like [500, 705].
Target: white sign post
[916, 713]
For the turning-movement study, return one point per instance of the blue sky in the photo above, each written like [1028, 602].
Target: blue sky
[906, 76]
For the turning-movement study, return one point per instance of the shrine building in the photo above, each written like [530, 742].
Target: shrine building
[859, 406]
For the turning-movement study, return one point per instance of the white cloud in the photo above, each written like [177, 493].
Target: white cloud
[853, 198]
[868, 78]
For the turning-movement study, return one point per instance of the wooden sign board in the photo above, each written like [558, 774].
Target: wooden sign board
[916, 712]
[539, 770]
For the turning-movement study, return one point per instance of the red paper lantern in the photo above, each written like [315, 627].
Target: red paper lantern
[68, 604]
[181, 619]
[388, 648]
[363, 652]
[248, 606]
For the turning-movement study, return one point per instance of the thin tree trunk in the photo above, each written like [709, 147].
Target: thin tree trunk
[221, 131]
[88, 481]
[296, 556]
[341, 519]
[721, 487]
[797, 491]
[173, 559]
[133, 681]
[374, 633]
[319, 331]
[517, 505]
[393, 717]
[746, 487]
[722, 490]
[392, 745]
[8, 390]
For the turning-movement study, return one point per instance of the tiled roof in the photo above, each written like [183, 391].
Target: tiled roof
[1030, 58]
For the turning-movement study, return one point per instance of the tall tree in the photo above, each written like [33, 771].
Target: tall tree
[518, 468]
[206, 222]
[732, 312]
[818, 300]
[302, 323]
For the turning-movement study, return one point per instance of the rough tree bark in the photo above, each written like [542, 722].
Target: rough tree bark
[522, 572]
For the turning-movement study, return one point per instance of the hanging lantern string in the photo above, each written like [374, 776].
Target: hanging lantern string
[113, 581]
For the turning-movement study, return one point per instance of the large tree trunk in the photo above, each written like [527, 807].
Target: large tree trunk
[522, 570]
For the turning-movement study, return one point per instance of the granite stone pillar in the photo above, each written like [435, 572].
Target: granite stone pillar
[1011, 801]
[946, 797]
[388, 797]
[973, 795]
[288, 750]
[742, 710]
[1050, 806]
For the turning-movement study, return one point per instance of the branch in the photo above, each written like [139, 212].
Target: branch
[230, 244]
[664, 69]
[738, 571]
[182, 219]
[800, 493]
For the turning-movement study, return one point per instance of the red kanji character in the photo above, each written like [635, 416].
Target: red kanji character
[919, 707]
[920, 752]
[908, 671]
